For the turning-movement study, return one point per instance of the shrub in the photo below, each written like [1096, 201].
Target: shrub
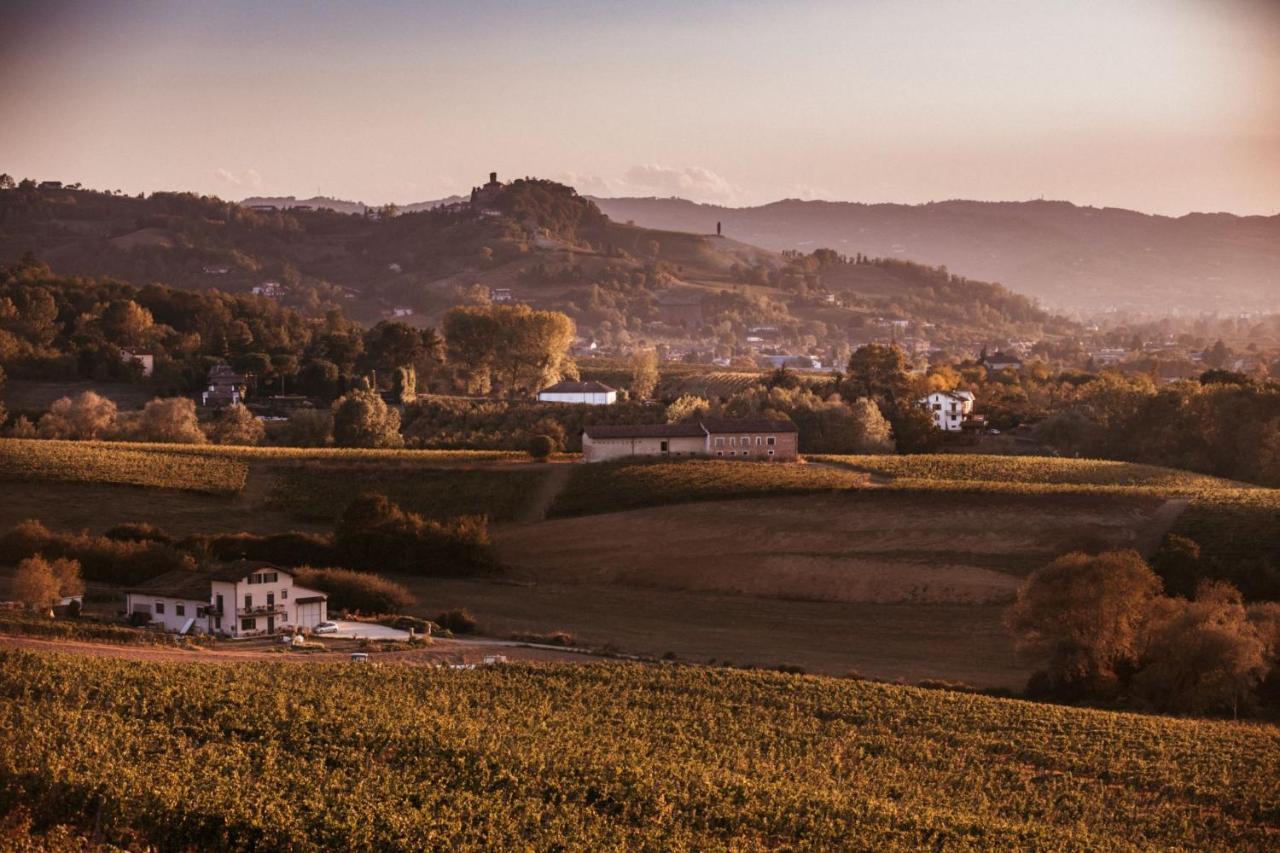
[100, 558]
[554, 638]
[362, 419]
[138, 532]
[285, 549]
[459, 621]
[170, 421]
[541, 447]
[348, 590]
[236, 425]
[374, 533]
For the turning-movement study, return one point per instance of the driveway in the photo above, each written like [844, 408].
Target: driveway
[366, 631]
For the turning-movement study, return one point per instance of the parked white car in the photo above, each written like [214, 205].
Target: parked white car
[325, 628]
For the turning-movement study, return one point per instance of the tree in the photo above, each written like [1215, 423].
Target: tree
[1087, 615]
[914, 430]
[6, 181]
[522, 349]
[405, 384]
[309, 428]
[541, 447]
[172, 420]
[687, 408]
[236, 425]
[878, 372]
[644, 373]
[41, 583]
[1208, 658]
[88, 416]
[362, 419]
[874, 433]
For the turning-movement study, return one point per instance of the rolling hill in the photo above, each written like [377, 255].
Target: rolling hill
[542, 240]
[1065, 255]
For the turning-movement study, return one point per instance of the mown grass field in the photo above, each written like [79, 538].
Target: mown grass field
[615, 486]
[321, 493]
[301, 757]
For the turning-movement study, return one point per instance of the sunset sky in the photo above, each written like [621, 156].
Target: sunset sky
[1165, 106]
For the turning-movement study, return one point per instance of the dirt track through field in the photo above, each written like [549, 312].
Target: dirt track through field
[440, 652]
[552, 484]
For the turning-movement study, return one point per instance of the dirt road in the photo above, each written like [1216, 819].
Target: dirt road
[440, 652]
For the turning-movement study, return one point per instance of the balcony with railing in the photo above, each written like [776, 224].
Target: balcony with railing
[261, 609]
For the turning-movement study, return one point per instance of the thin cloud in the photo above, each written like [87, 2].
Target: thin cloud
[249, 179]
[692, 182]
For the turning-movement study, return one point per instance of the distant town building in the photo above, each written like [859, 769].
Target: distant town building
[50, 185]
[585, 393]
[269, 289]
[794, 362]
[501, 295]
[145, 360]
[1002, 361]
[394, 268]
[225, 387]
[215, 270]
[401, 311]
[264, 208]
[950, 409]
[759, 440]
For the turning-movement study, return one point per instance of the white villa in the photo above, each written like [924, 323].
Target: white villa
[587, 393]
[950, 409]
[243, 599]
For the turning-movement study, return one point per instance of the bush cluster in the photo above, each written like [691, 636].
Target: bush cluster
[101, 558]
[348, 590]
[377, 535]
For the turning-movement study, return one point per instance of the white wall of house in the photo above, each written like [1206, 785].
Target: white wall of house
[948, 410]
[270, 604]
[172, 613]
[601, 449]
[590, 398]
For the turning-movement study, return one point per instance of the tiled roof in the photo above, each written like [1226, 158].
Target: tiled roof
[748, 425]
[567, 387]
[646, 431]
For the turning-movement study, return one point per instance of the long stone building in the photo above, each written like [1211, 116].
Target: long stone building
[760, 440]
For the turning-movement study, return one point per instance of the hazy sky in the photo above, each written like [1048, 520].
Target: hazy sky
[1160, 105]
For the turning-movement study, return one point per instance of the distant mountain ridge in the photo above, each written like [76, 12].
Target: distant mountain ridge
[285, 202]
[1063, 254]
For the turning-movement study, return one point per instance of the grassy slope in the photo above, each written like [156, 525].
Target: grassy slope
[290, 756]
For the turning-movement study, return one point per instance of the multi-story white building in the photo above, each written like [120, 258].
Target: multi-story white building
[949, 409]
[243, 599]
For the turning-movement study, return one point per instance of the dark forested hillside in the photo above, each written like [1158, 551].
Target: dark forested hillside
[1060, 253]
[534, 241]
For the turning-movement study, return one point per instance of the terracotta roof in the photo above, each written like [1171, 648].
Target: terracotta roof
[646, 431]
[567, 387]
[748, 425]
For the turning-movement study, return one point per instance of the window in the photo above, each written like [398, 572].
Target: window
[733, 441]
[771, 441]
[664, 446]
[248, 624]
[180, 609]
[746, 441]
[770, 452]
[284, 595]
[719, 441]
[759, 441]
[937, 407]
[719, 453]
[248, 602]
[159, 608]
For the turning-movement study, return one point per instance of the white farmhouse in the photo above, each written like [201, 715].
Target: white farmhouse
[949, 409]
[243, 599]
[145, 360]
[588, 393]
